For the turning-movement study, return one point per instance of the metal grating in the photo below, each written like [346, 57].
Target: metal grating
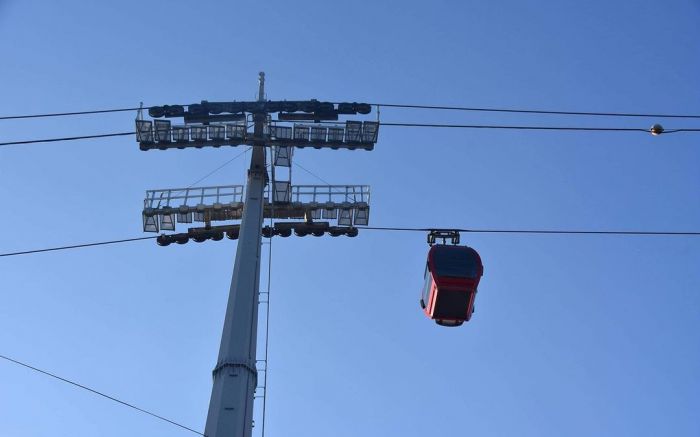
[345, 218]
[353, 132]
[167, 222]
[144, 131]
[330, 193]
[336, 134]
[283, 156]
[347, 204]
[370, 130]
[150, 224]
[236, 131]
[162, 131]
[301, 132]
[281, 132]
[330, 213]
[318, 133]
[362, 216]
[191, 197]
[198, 133]
[281, 193]
[184, 218]
[217, 132]
[181, 134]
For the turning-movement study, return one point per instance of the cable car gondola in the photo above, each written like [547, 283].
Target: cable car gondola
[452, 275]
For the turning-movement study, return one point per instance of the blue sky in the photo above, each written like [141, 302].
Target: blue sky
[572, 336]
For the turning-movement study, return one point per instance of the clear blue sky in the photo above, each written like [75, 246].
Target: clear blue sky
[573, 336]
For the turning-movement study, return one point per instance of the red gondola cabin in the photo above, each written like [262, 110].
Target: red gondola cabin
[452, 276]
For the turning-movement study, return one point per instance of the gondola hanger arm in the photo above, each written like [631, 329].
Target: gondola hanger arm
[444, 235]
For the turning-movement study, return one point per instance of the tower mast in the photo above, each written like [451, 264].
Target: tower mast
[235, 375]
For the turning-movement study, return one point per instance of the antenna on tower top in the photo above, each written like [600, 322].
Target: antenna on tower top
[261, 86]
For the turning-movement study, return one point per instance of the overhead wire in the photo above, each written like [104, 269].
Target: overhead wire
[99, 393]
[115, 242]
[509, 127]
[466, 230]
[513, 231]
[405, 106]
[215, 170]
[311, 173]
[81, 137]
[538, 111]
[63, 114]
[482, 231]
[535, 231]
[550, 128]
[401, 124]
[127, 239]
[76, 246]
[347, 195]
[525, 127]
[510, 231]
[405, 229]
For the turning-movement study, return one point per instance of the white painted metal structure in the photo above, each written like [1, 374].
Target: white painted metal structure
[346, 206]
